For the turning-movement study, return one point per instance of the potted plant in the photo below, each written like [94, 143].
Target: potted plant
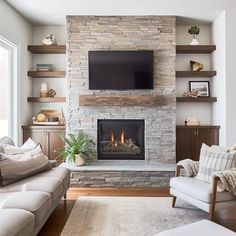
[77, 149]
[194, 30]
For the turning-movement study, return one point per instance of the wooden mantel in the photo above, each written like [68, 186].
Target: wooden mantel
[125, 100]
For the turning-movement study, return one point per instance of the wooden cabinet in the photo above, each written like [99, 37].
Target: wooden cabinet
[47, 136]
[189, 140]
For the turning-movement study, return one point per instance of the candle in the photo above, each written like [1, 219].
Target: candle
[44, 87]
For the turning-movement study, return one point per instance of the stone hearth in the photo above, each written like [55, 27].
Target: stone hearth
[121, 174]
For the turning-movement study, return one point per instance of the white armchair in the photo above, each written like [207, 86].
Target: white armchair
[201, 194]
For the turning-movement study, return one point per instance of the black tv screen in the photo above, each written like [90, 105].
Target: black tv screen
[120, 70]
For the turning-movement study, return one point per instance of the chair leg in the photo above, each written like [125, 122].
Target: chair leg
[173, 201]
[65, 196]
[213, 199]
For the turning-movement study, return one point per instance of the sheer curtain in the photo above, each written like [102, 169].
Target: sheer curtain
[8, 92]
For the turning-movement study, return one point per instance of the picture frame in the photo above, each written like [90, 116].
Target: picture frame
[202, 86]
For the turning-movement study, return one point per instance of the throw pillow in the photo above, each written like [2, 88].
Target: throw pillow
[13, 150]
[5, 140]
[16, 167]
[212, 160]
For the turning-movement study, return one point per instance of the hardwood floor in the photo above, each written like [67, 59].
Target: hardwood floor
[57, 220]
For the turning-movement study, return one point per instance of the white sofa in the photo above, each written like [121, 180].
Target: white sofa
[27, 204]
[203, 227]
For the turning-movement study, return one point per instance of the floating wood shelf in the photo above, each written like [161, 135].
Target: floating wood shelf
[195, 48]
[43, 49]
[195, 73]
[199, 99]
[47, 74]
[125, 100]
[46, 100]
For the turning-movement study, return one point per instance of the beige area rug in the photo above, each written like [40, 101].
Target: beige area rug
[128, 216]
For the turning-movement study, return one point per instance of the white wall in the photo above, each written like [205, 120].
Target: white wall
[16, 29]
[230, 33]
[219, 83]
[59, 60]
[202, 111]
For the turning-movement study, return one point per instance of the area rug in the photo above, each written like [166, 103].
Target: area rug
[128, 216]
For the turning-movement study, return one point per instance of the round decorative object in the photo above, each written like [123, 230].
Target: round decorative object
[49, 40]
[41, 117]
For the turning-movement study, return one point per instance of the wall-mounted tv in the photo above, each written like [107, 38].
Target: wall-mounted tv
[120, 70]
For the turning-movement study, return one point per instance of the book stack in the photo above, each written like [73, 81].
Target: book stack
[45, 67]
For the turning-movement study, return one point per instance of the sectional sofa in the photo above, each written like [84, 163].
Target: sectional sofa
[27, 204]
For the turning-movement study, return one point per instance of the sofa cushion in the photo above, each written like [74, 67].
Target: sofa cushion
[198, 189]
[15, 167]
[13, 150]
[50, 185]
[59, 172]
[35, 202]
[16, 222]
[212, 160]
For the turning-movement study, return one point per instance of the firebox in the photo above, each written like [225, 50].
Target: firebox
[120, 139]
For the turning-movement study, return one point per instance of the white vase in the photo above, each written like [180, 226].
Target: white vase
[194, 42]
[79, 161]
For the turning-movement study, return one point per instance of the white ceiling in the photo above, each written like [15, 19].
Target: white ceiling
[53, 12]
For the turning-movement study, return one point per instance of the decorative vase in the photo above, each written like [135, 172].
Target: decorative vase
[79, 161]
[194, 42]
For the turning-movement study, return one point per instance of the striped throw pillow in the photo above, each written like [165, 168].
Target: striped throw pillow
[17, 167]
[212, 160]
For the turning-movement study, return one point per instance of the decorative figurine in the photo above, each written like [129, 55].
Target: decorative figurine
[49, 40]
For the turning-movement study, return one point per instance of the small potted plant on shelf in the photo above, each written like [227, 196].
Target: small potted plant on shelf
[194, 30]
[78, 149]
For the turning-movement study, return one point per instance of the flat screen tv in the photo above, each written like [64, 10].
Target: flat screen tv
[120, 70]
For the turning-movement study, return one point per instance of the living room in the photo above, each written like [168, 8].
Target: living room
[66, 61]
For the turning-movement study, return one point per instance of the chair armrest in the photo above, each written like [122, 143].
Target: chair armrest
[177, 171]
[53, 163]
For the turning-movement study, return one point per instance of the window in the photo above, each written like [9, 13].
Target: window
[8, 90]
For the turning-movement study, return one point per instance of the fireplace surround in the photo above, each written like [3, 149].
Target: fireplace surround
[120, 139]
[103, 33]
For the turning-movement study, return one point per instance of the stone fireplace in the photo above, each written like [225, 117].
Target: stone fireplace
[120, 139]
[155, 107]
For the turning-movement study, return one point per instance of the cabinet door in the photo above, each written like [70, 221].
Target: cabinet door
[38, 136]
[54, 143]
[207, 136]
[184, 144]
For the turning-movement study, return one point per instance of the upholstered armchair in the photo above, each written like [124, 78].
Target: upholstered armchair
[205, 194]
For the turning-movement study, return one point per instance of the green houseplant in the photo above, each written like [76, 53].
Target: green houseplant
[78, 148]
[194, 30]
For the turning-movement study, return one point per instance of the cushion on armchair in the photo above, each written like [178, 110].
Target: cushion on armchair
[212, 160]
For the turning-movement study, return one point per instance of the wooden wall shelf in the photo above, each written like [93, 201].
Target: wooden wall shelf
[200, 99]
[46, 99]
[125, 100]
[195, 73]
[47, 74]
[195, 48]
[43, 49]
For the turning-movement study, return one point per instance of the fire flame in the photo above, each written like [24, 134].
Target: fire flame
[122, 136]
[112, 137]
